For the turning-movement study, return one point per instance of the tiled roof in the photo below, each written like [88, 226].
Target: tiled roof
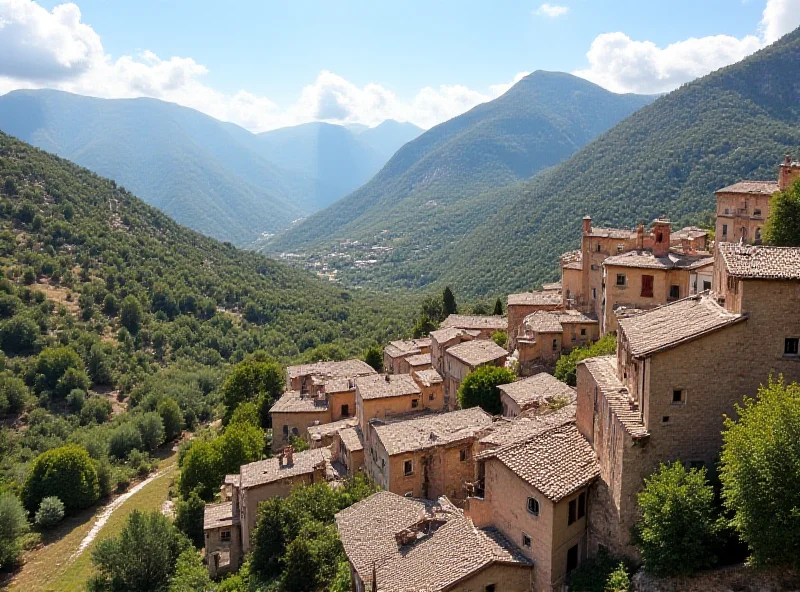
[428, 377]
[689, 232]
[232, 480]
[604, 372]
[442, 546]
[552, 287]
[431, 430]
[646, 259]
[449, 333]
[380, 386]
[537, 390]
[507, 431]
[557, 462]
[495, 322]
[535, 299]
[619, 233]
[326, 430]
[575, 316]
[477, 352]
[543, 321]
[761, 261]
[751, 187]
[270, 470]
[572, 260]
[339, 385]
[670, 325]
[406, 347]
[219, 515]
[294, 402]
[419, 360]
[344, 369]
[351, 438]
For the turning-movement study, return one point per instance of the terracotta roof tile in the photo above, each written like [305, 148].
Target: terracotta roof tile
[619, 233]
[495, 322]
[604, 372]
[508, 431]
[670, 325]
[537, 390]
[381, 386]
[761, 261]
[751, 187]
[344, 369]
[477, 352]
[270, 470]
[428, 377]
[294, 402]
[431, 430]
[535, 299]
[326, 430]
[646, 259]
[419, 360]
[219, 515]
[352, 439]
[543, 321]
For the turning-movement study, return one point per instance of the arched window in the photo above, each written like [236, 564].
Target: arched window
[533, 506]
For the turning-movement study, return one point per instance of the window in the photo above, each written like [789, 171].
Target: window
[573, 511]
[706, 285]
[583, 331]
[533, 506]
[295, 432]
[756, 212]
[581, 505]
[408, 467]
[620, 279]
[462, 455]
[725, 227]
[790, 346]
[555, 344]
[594, 293]
[598, 247]
[665, 419]
[431, 396]
[675, 292]
[526, 540]
[620, 248]
[383, 463]
[647, 286]
[758, 234]
[659, 237]
[285, 431]
[225, 536]
[345, 410]
[414, 403]
[678, 397]
[490, 588]
[572, 558]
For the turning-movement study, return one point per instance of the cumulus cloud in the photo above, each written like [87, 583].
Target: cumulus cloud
[55, 49]
[551, 10]
[622, 64]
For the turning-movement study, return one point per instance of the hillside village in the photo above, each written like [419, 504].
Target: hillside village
[518, 500]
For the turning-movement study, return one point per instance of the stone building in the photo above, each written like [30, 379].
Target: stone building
[395, 354]
[460, 360]
[535, 492]
[397, 544]
[419, 362]
[322, 435]
[545, 335]
[425, 456]
[386, 395]
[533, 393]
[486, 326]
[223, 538]
[307, 378]
[526, 303]
[441, 339]
[348, 450]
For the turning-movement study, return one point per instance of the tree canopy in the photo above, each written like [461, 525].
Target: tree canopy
[479, 388]
[783, 224]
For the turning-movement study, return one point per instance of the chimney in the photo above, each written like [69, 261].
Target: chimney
[661, 230]
[686, 246]
[587, 224]
[288, 454]
[640, 237]
[789, 172]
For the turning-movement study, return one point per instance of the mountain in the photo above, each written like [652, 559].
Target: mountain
[430, 192]
[65, 231]
[666, 159]
[214, 177]
[340, 158]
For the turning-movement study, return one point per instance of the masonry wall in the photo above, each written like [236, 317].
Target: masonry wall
[517, 314]
[214, 543]
[737, 211]
[508, 578]
[336, 401]
[386, 407]
[432, 396]
[297, 424]
[571, 286]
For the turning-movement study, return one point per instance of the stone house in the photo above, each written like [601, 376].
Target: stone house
[545, 335]
[395, 354]
[348, 450]
[322, 435]
[223, 538]
[419, 362]
[397, 544]
[428, 455]
[526, 303]
[535, 492]
[441, 339]
[533, 393]
[432, 386]
[293, 414]
[460, 360]
[486, 326]
[385, 395]
[306, 378]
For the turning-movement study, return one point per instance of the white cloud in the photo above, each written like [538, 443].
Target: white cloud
[552, 10]
[621, 64]
[54, 49]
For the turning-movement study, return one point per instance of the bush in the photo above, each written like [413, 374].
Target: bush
[130, 315]
[96, 409]
[124, 439]
[374, 357]
[73, 379]
[500, 337]
[566, 365]
[479, 388]
[151, 429]
[760, 470]
[678, 529]
[105, 476]
[67, 473]
[619, 580]
[171, 418]
[597, 573]
[13, 394]
[190, 574]
[13, 528]
[76, 399]
[18, 335]
[50, 512]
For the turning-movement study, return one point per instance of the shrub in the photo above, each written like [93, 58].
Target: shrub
[50, 512]
[171, 417]
[76, 399]
[130, 315]
[678, 529]
[596, 573]
[96, 409]
[619, 580]
[124, 439]
[566, 365]
[67, 473]
[73, 379]
[13, 528]
[190, 574]
[479, 388]
[151, 429]
[52, 366]
[18, 335]
[500, 337]
[374, 357]
[13, 394]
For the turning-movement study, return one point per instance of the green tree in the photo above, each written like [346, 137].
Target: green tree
[52, 366]
[246, 413]
[123, 439]
[760, 470]
[619, 580]
[498, 307]
[268, 540]
[171, 417]
[50, 512]
[783, 223]
[189, 518]
[448, 302]
[298, 443]
[312, 558]
[479, 388]
[567, 365]
[239, 445]
[678, 527]
[151, 430]
[13, 393]
[190, 574]
[142, 557]
[110, 305]
[18, 335]
[96, 409]
[374, 357]
[423, 327]
[13, 528]
[67, 473]
[97, 365]
[201, 470]
[500, 338]
[253, 380]
[131, 314]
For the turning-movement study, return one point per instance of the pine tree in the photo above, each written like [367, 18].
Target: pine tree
[498, 307]
[449, 302]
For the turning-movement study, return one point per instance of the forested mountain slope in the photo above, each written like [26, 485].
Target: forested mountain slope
[666, 159]
[419, 196]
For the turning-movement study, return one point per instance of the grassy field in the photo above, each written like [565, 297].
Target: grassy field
[50, 569]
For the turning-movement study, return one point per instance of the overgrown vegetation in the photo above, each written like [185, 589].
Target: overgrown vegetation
[783, 224]
[567, 364]
[479, 388]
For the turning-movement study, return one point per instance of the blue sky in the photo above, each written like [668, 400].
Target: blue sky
[263, 64]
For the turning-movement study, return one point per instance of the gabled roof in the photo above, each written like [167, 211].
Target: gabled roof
[381, 386]
[431, 430]
[645, 259]
[751, 187]
[761, 261]
[428, 377]
[325, 430]
[604, 372]
[543, 321]
[352, 439]
[343, 369]
[294, 402]
[448, 334]
[270, 470]
[617, 233]
[219, 515]
[538, 389]
[440, 547]
[668, 326]
[495, 322]
[477, 352]
[551, 298]
[556, 462]
[419, 360]
[507, 431]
